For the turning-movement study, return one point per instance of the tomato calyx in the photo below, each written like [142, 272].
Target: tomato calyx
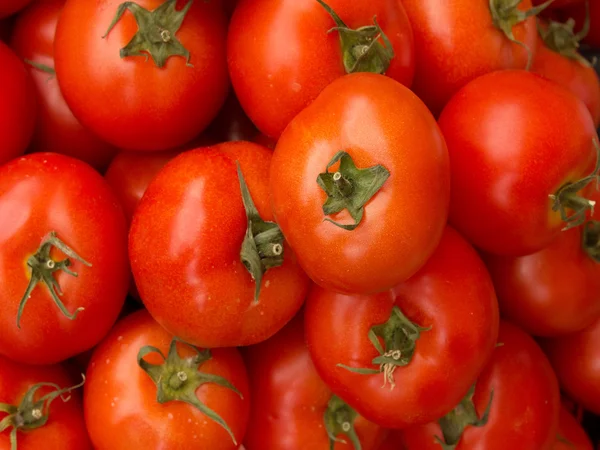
[567, 196]
[156, 31]
[400, 337]
[262, 248]
[42, 270]
[350, 188]
[591, 239]
[339, 420]
[31, 413]
[463, 415]
[178, 379]
[43, 67]
[506, 15]
[361, 49]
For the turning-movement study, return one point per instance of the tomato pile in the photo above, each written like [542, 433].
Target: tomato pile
[299, 224]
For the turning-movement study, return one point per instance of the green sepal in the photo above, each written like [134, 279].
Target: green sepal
[339, 420]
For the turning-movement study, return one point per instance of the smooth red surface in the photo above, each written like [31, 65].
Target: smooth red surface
[45, 192]
[9, 7]
[281, 55]
[572, 432]
[185, 240]
[453, 294]
[377, 121]
[514, 139]
[121, 411]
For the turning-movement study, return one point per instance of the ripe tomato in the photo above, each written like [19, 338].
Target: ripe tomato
[45, 402]
[393, 441]
[452, 51]
[9, 7]
[575, 360]
[192, 237]
[579, 14]
[192, 399]
[58, 217]
[371, 222]
[141, 103]
[292, 408]
[17, 106]
[56, 130]
[516, 140]
[435, 331]
[298, 48]
[522, 413]
[558, 60]
[571, 435]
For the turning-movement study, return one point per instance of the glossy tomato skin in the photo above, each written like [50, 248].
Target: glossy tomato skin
[580, 79]
[452, 51]
[525, 407]
[292, 56]
[289, 399]
[186, 237]
[514, 139]
[575, 360]
[377, 121]
[18, 107]
[45, 192]
[136, 105]
[453, 294]
[56, 129]
[572, 432]
[121, 410]
[9, 7]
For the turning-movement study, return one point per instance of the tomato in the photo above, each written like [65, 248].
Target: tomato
[523, 410]
[298, 48]
[452, 51]
[384, 216]
[392, 442]
[436, 332]
[17, 106]
[145, 96]
[579, 14]
[572, 436]
[48, 393]
[195, 237]
[58, 218]
[9, 7]
[292, 408]
[558, 60]
[193, 399]
[515, 140]
[57, 130]
[575, 360]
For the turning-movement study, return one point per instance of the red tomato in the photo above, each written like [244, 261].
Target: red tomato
[17, 106]
[452, 51]
[442, 323]
[292, 408]
[515, 140]
[575, 359]
[393, 441]
[571, 435]
[9, 7]
[579, 13]
[384, 216]
[524, 409]
[294, 54]
[139, 100]
[558, 60]
[46, 193]
[53, 398]
[201, 393]
[57, 130]
[187, 238]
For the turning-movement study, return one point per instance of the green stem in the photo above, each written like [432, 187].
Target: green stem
[339, 420]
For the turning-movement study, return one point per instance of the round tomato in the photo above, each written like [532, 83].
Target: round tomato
[292, 408]
[17, 106]
[149, 75]
[515, 403]
[571, 435]
[575, 359]
[212, 246]
[521, 150]
[9, 7]
[580, 15]
[409, 355]
[557, 59]
[63, 254]
[299, 47]
[175, 396]
[371, 221]
[56, 130]
[499, 34]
